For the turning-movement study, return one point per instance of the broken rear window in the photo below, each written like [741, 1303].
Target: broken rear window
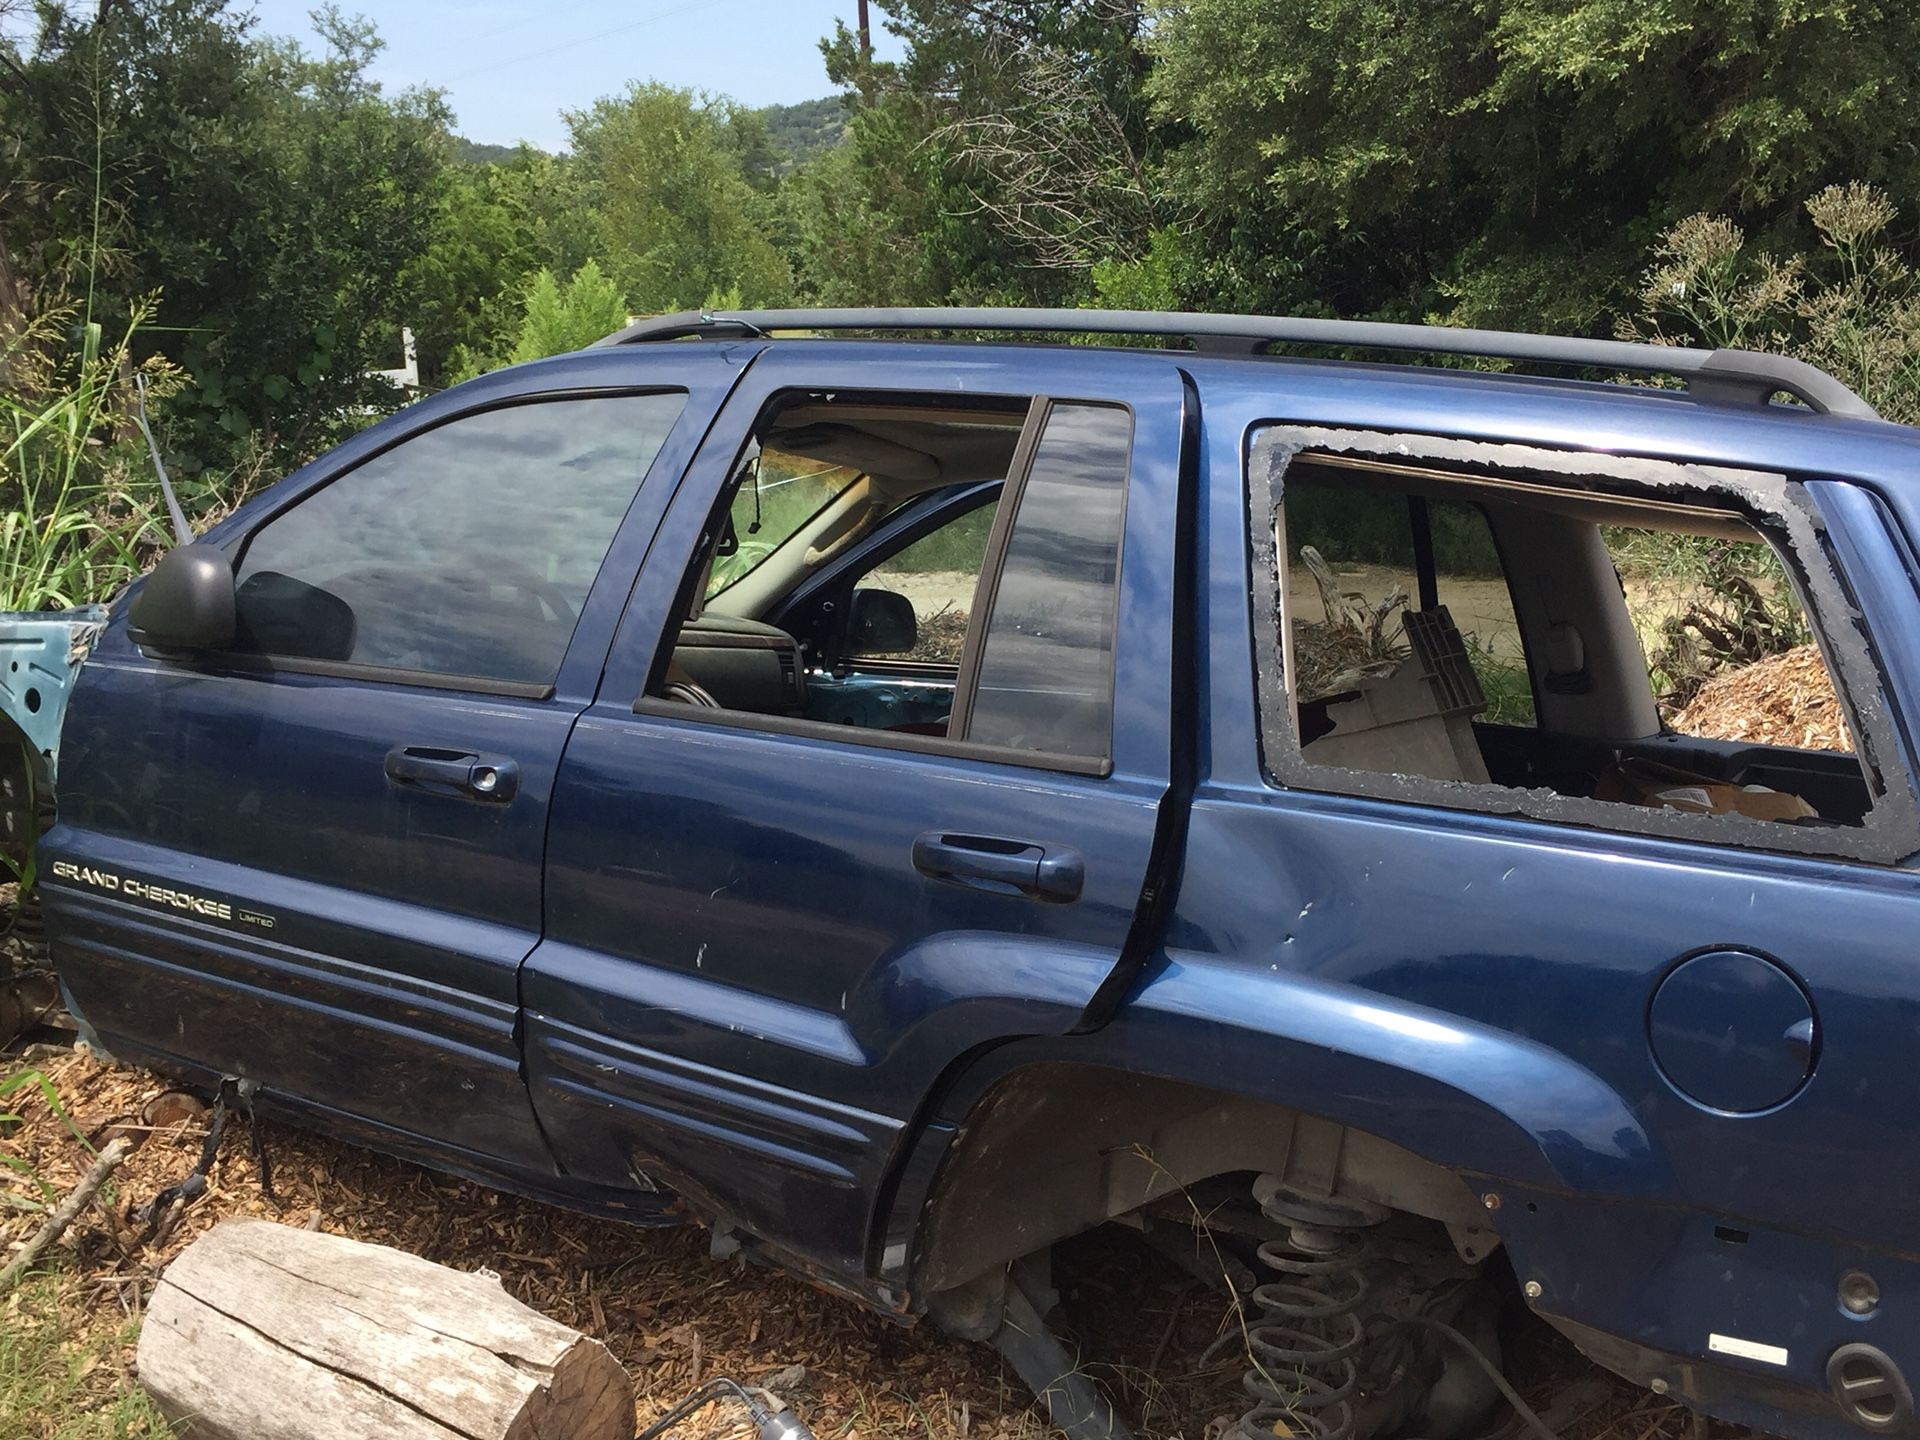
[1492, 627]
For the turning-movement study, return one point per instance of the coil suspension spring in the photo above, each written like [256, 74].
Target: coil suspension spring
[1304, 1328]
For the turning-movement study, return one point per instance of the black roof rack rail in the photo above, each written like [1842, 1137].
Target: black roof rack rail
[1749, 376]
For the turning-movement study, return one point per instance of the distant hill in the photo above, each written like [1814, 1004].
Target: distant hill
[799, 132]
[472, 152]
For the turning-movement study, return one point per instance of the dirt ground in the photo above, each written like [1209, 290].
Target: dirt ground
[671, 1314]
[930, 591]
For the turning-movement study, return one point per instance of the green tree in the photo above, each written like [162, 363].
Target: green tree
[797, 133]
[1508, 163]
[1010, 150]
[859, 221]
[668, 177]
[501, 222]
[275, 201]
[559, 317]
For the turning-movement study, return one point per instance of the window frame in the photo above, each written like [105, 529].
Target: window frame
[986, 595]
[252, 663]
[835, 653]
[1019, 467]
[1772, 502]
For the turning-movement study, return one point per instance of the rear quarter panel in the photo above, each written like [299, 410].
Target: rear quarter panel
[1476, 987]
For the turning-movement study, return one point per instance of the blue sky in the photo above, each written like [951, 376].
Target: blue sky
[509, 67]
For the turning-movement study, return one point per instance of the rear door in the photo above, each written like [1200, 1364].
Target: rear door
[768, 936]
[315, 861]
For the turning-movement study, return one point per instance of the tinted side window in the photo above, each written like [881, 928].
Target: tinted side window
[1046, 664]
[465, 551]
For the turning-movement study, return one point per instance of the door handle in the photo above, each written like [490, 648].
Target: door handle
[475, 776]
[1053, 873]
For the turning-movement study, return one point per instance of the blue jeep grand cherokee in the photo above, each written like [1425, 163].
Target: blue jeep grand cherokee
[905, 803]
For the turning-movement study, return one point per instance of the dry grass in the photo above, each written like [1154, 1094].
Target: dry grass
[1783, 700]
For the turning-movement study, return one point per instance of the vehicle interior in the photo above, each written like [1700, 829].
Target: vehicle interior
[796, 612]
[1439, 624]
[1490, 630]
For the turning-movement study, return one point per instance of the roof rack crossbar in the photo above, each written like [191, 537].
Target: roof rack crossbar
[1748, 376]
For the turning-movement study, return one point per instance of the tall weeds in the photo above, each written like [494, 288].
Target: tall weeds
[74, 519]
[74, 523]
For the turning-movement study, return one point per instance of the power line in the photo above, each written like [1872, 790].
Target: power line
[521, 23]
[580, 40]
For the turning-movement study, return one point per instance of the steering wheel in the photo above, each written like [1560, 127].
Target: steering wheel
[550, 595]
[689, 692]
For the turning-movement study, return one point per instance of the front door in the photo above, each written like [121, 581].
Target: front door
[315, 861]
[768, 932]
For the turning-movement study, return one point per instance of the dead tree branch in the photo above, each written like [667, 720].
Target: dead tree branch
[1064, 179]
[68, 1211]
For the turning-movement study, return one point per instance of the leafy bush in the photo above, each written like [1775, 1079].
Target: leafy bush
[557, 317]
[266, 204]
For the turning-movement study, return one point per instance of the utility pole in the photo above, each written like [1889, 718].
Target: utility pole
[866, 33]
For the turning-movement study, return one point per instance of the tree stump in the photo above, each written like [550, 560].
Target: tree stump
[261, 1332]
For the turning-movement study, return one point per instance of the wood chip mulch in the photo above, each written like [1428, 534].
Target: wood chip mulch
[670, 1313]
[1783, 700]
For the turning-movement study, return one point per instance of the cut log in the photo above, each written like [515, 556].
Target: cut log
[262, 1332]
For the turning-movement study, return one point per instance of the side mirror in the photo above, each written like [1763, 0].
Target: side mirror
[186, 604]
[880, 622]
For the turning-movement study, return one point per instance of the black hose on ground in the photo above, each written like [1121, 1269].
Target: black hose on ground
[773, 1424]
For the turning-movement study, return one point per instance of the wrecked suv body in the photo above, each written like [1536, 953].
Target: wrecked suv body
[908, 803]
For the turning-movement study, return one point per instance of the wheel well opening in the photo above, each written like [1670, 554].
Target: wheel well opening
[1057, 1148]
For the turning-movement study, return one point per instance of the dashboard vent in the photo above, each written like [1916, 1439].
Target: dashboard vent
[790, 676]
